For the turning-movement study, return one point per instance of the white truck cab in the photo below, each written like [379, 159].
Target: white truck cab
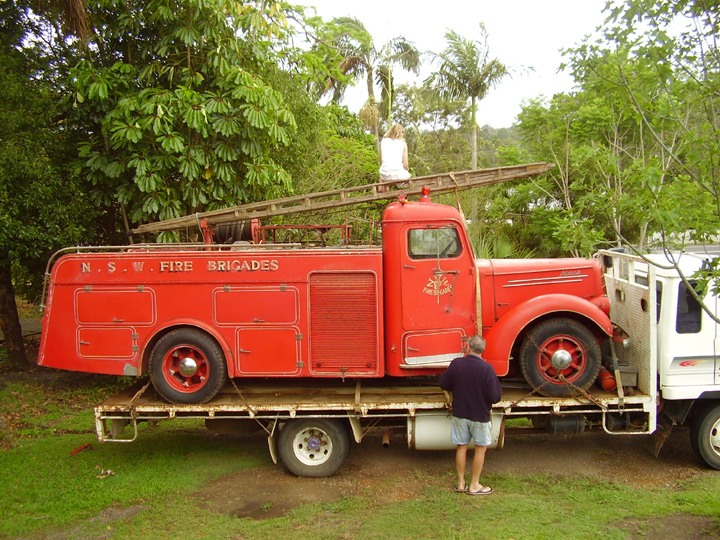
[653, 304]
[687, 336]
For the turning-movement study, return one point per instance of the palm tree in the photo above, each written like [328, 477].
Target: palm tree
[357, 57]
[467, 72]
[396, 51]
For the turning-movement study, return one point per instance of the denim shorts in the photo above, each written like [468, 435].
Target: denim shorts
[464, 430]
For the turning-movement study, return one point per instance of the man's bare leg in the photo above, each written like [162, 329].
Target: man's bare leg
[477, 467]
[460, 460]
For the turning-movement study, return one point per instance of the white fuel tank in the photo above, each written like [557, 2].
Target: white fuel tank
[430, 430]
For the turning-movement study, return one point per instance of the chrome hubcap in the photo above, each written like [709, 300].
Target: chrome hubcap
[188, 367]
[561, 360]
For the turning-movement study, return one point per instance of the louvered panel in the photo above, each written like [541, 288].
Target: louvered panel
[344, 324]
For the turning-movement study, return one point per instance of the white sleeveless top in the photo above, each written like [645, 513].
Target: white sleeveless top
[392, 162]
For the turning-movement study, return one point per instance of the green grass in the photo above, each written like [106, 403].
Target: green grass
[47, 491]
[44, 486]
[29, 409]
[534, 508]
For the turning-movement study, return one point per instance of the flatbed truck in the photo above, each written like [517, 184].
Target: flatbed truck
[309, 425]
[313, 343]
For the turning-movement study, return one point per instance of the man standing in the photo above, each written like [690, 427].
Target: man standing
[475, 387]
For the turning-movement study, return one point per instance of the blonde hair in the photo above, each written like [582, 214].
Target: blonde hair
[395, 132]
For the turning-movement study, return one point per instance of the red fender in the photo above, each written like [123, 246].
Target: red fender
[501, 337]
[192, 323]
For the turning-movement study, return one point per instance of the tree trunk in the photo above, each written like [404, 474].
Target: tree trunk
[9, 318]
[474, 134]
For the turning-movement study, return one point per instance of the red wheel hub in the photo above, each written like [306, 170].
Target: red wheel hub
[185, 368]
[561, 355]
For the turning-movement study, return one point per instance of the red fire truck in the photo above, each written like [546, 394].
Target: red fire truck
[194, 315]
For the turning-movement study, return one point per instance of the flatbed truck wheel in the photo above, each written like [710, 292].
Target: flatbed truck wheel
[705, 435]
[313, 447]
[187, 366]
[560, 347]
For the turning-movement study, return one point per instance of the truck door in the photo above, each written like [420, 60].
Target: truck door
[690, 353]
[438, 294]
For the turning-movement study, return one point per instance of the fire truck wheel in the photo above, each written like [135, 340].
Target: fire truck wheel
[560, 347]
[187, 366]
[314, 447]
[705, 436]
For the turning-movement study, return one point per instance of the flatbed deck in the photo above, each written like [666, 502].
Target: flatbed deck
[362, 400]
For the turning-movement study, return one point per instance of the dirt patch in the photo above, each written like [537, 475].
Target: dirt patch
[677, 527]
[397, 473]
[270, 492]
[625, 459]
[109, 515]
[380, 474]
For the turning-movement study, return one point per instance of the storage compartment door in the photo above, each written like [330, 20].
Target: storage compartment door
[269, 351]
[131, 306]
[441, 346]
[106, 343]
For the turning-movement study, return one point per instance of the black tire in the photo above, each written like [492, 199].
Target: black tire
[560, 347]
[187, 366]
[313, 447]
[705, 436]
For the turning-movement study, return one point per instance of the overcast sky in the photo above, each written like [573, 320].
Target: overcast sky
[522, 34]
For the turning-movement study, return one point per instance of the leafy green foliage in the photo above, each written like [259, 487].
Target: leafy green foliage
[635, 145]
[183, 118]
[434, 129]
[348, 52]
[43, 206]
[500, 247]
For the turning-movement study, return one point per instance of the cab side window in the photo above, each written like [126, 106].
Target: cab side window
[689, 311]
[441, 243]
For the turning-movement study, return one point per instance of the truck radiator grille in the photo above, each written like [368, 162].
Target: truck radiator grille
[344, 324]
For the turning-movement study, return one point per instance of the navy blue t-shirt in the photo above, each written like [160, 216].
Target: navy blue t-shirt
[474, 385]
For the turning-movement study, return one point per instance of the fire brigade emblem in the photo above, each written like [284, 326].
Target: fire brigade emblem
[437, 286]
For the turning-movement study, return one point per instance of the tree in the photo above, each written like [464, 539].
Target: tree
[656, 72]
[466, 71]
[396, 51]
[354, 52]
[43, 205]
[71, 13]
[635, 144]
[678, 39]
[437, 140]
[180, 113]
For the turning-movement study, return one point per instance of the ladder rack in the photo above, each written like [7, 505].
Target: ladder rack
[438, 183]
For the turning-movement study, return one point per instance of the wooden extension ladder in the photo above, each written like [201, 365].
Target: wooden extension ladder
[438, 183]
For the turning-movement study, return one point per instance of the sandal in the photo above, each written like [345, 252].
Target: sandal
[458, 490]
[484, 490]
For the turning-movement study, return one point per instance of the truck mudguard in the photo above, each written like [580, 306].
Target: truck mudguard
[198, 324]
[502, 336]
